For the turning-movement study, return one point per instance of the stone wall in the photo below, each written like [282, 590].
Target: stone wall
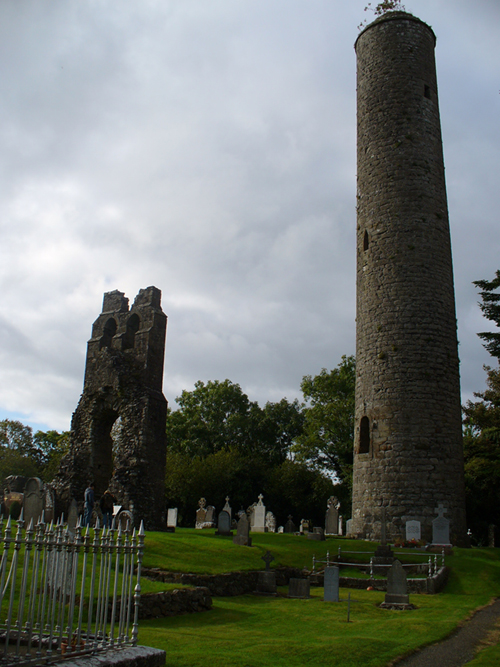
[173, 603]
[408, 438]
[222, 585]
[118, 427]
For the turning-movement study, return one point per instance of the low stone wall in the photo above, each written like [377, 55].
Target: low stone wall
[222, 585]
[173, 603]
[430, 585]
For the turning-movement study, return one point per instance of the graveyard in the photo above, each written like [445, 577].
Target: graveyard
[258, 630]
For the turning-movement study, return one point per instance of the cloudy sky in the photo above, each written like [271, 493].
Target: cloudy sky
[208, 147]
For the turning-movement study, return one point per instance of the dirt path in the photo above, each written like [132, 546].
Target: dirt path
[460, 647]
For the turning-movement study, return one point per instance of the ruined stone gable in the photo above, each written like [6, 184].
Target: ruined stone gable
[118, 428]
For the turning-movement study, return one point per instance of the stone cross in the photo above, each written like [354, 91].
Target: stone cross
[261, 498]
[440, 509]
[267, 558]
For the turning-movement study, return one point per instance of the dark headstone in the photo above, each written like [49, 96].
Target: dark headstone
[299, 588]
[33, 501]
[224, 523]
[317, 534]
[242, 536]
[397, 588]
[332, 517]
[289, 525]
[331, 584]
[267, 558]
[266, 583]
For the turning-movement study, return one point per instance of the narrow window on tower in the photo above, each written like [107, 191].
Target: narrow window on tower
[364, 435]
[366, 241]
[427, 92]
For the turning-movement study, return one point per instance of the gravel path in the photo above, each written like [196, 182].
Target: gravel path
[460, 647]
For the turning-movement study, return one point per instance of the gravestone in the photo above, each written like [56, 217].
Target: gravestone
[331, 584]
[341, 524]
[201, 514]
[266, 583]
[281, 530]
[383, 553]
[441, 527]
[242, 536]
[332, 517]
[397, 588]
[348, 526]
[227, 507]
[299, 588]
[259, 517]
[33, 501]
[270, 522]
[48, 505]
[317, 534]
[171, 519]
[304, 526]
[210, 517]
[413, 530]
[289, 525]
[223, 524]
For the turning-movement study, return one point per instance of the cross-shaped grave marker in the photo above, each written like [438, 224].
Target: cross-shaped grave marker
[440, 509]
[267, 558]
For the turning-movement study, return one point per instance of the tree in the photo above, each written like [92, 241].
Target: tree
[327, 439]
[218, 416]
[482, 429]
[491, 308]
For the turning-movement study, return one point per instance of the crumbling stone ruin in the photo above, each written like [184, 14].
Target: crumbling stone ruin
[408, 436]
[118, 427]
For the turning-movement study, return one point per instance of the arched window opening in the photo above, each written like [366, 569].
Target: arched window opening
[108, 333]
[364, 435]
[366, 241]
[102, 450]
[133, 324]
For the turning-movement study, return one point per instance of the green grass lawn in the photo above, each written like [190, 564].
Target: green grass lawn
[251, 631]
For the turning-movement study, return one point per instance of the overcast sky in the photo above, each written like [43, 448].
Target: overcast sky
[208, 147]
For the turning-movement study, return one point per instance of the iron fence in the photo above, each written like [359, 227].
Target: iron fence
[65, 593]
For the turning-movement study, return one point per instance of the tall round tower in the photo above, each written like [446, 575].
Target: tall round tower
[408, 437]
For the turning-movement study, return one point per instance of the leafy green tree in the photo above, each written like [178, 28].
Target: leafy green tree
[327, 439]
[482, 429]
[218, 416]
[491, 308]
[51, 446]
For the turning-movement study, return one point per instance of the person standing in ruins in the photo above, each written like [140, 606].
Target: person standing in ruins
[106, 504]
[89, 499]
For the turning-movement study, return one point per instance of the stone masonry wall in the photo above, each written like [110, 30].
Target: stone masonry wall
[122, 389]
[408, 438]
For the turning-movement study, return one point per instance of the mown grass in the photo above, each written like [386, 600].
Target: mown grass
[251, 631]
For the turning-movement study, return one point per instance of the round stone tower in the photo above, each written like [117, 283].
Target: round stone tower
[408, 453]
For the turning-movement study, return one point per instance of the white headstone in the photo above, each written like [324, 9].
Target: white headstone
[172, 517]
[413, 530]
[259, 514]
[348, 526]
